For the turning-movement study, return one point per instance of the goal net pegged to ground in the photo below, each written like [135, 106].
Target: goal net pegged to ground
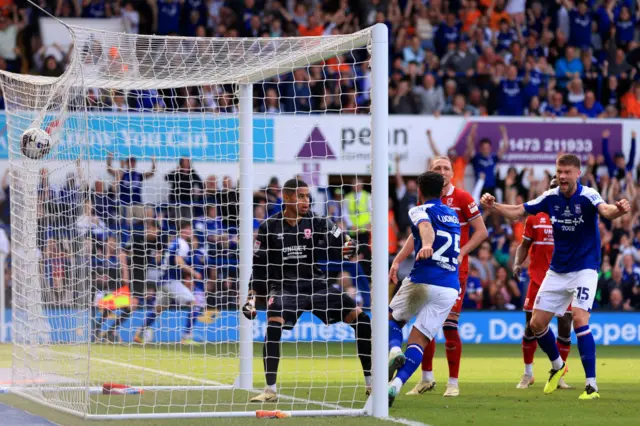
[133, 238]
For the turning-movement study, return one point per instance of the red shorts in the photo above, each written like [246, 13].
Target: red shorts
[457, 308]
[532, 293]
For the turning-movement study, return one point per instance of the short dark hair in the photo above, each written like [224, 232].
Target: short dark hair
[485, 140]
[184, 224]
[430, 184]
[292, 185]
[569, 160]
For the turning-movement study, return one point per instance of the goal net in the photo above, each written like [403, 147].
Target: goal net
[134, 237]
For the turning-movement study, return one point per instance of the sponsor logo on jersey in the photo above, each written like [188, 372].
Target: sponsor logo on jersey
[473, 208]
[335, 231]
[256, 246]
[449, 202]
[578, 209]
[543, 220]
[567, 212]
[279, 237]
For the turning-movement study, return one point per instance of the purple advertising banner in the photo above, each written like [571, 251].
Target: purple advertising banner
[540, 143]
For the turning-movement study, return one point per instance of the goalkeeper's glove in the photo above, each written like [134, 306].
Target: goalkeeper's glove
[249, 308]
[349, 249]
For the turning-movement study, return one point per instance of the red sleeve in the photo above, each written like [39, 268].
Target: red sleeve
[468, 207]
[528, 228]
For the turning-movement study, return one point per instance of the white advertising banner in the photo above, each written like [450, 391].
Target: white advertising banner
[53, 32]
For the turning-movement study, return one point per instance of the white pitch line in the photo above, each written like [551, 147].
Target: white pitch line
[398, 420]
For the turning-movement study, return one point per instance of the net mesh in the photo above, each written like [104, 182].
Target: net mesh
[145, 150]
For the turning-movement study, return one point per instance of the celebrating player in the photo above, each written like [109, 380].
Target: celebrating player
[538, 238]
[285, 254]
[432, 287]
[177, 270]
[573, 274]
[468, 215]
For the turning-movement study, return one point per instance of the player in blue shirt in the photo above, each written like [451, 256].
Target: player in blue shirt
[573, 274]
[177, 271]
[485, 162]
[432, 287]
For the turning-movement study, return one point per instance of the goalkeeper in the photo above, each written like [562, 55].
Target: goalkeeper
[286, 254]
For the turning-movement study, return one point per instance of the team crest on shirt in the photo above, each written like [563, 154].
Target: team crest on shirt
[307, 233]
[543, 220]
[256, 246]
[567, 212]
[449, 202]
[578, 209]
[472, 207]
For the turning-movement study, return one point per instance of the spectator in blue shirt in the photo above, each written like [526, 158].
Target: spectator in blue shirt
[625, 27]
[568, 67]
[485, 162]
[448, 32]
[168, 16]
[511, 94]
[555, 108]
[579, 24]
[96, 9]
[413, 53]
[590, 107]
[506, 35]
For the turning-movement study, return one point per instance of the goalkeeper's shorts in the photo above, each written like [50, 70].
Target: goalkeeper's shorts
[330, 304]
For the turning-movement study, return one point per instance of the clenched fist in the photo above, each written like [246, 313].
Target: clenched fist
[623, 206]
[488, 201]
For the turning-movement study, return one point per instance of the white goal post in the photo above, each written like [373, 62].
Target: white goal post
[113, 99]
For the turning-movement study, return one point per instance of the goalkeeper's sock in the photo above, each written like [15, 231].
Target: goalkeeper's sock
[547, 342]
[564, 347]
[414, 355]
[587, 349]
[395, 334]
[362, 328]
[124, 315]
[271, 351]
[453, 346]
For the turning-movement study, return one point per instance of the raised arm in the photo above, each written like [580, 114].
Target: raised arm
[508, 211]
[611, 166]
[614, 211]
[504, 142]
[632, 153]
[152, 172]
[471, 142]
[432, 144]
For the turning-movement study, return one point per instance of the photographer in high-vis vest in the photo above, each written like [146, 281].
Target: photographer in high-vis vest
[357, 204]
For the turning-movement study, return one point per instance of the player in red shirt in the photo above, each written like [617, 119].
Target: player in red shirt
[538, 240]
[469, 215]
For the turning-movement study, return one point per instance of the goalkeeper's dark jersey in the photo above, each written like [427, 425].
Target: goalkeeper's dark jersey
[286, 256]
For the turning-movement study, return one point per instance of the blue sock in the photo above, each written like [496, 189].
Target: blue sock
[193, 315]
[395, 334]
[547, 342]
[150, 319]
[587, 349]
[414, 359]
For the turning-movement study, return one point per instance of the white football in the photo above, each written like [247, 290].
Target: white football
[35, 143]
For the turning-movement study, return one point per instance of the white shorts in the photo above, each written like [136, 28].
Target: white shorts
[174, 290]
[558, 291]
[430, 304]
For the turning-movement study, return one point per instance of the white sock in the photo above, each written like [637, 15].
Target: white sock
[396, 349]
[528, 369]
[427, 376]
[367, 380]
[271, 387]
[592, 381]
[453, 381]
[557, 364]
[397, 384]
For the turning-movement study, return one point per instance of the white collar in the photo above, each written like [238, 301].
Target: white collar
[450, 191]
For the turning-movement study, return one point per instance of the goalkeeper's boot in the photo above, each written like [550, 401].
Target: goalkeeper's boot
[564, 385]
[367, 390]
[396, 361]
[393, 392]
[452, 390]
[139, 336]
[554, 379]
[422, 387]
[589, 393]
[266, 396]
[112, 336]
[525, 381]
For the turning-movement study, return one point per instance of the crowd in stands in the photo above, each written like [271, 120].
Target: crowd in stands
[460, 57]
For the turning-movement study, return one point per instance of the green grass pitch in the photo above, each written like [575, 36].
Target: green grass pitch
[487, 383]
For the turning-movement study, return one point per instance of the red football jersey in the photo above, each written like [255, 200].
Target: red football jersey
[467, 210]
[539, 231]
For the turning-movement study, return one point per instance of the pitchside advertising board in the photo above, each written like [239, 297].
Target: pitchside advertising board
[63, 326]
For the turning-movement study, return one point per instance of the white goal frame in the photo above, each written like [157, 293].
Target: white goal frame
[377, 404]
